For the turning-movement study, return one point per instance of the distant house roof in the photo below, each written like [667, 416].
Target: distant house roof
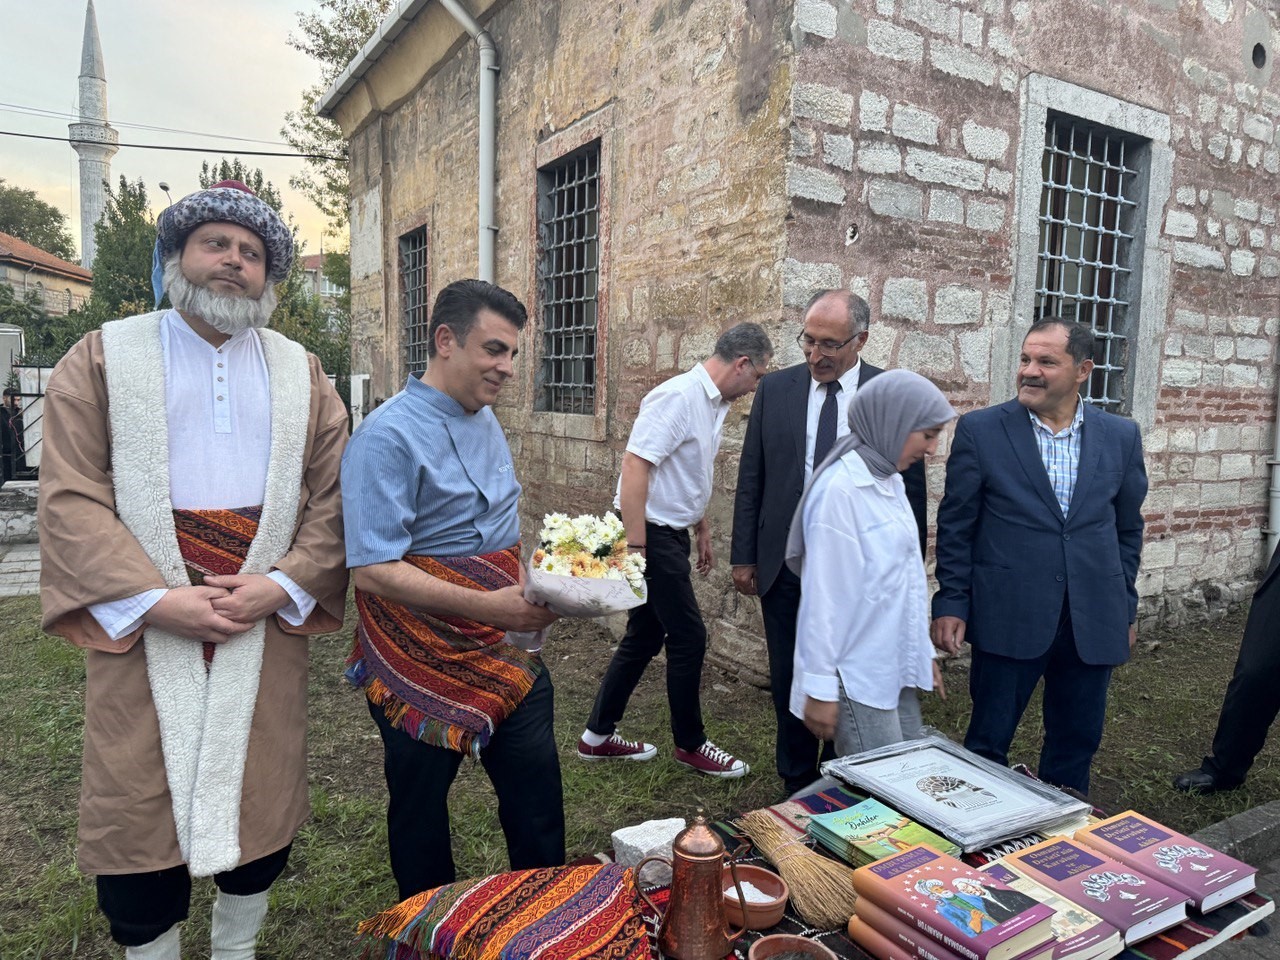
[23, 254]
[313, 261]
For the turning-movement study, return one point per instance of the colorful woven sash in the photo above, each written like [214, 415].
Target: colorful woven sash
[214, 543]
[448, 681]
[556, 913]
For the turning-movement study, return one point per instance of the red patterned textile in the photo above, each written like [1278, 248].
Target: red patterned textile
[214, 543]
[448, 681]
[555, 913]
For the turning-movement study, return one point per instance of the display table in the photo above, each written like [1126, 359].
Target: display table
[1192, 938]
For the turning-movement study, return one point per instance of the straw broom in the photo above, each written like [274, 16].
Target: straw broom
[821, 888]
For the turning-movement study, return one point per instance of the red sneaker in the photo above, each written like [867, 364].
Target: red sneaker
[712, 761]
[615, 748]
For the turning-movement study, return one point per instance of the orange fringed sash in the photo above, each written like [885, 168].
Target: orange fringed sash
[447, 681]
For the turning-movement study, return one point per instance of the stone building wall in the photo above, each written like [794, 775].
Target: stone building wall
[918, 124]
[690, 101]
[754, 150]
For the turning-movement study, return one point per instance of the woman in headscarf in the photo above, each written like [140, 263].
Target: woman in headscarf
[862, 637]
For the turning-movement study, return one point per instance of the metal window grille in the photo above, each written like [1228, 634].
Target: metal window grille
[1086, 211]
[568, 231]
[413, 296]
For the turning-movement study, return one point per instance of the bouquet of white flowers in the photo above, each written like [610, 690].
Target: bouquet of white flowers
[581, 568]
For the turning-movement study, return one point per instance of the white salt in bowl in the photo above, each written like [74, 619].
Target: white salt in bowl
[756, 914]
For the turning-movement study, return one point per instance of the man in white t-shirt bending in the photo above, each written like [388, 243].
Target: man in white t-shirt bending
[664, 489]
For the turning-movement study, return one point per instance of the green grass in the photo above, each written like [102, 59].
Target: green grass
[1163, 709]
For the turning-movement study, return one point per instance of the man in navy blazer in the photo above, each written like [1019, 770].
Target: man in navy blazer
[1039, 535]
[777, 458]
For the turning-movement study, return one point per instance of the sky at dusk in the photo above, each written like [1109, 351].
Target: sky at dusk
[224, 69]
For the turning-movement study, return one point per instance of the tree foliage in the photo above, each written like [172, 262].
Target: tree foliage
[27, 217]
[251, 177]
[126, 237]
[331, 37]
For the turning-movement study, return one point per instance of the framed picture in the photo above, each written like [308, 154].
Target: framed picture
[968, 799]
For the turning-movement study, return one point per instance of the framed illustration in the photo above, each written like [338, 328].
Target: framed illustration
[968, 799]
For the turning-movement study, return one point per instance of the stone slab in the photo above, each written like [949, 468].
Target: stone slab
[649, 839]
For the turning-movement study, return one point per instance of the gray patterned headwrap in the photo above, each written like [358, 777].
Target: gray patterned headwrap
[227, 202]
[882, 414]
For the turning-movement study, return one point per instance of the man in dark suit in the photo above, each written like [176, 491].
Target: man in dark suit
[1253, 695]
[795, 419]
[1039, 535]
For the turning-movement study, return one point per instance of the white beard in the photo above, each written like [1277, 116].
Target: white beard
[227, 315]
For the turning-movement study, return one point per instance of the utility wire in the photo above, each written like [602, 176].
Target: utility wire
[60, 115]
[156, 146]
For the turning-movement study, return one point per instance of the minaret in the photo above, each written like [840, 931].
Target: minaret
[93, 137]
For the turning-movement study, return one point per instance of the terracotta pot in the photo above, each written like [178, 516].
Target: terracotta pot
[755, 916]
[777, 943]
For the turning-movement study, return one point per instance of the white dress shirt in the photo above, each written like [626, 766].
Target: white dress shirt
[218, 404]
[817, 396]
[864, 608]
[678, 431]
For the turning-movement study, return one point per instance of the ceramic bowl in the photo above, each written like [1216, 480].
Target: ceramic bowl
[754, 916]
[784, 943]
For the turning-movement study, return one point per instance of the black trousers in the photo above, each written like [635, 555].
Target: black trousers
[142, 906]
[522, 765]
[1075, 706]
[1253, 695]
[670, 618]
[798, 752]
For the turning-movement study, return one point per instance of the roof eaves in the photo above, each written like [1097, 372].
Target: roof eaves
[400, 16]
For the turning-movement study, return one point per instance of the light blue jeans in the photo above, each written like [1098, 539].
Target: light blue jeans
[860, 728]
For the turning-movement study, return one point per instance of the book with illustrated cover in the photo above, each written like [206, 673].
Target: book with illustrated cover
[975, 916]
[1137, 905]
[1208, 877]
[1078, 933]
[870, 831]
[914, 943]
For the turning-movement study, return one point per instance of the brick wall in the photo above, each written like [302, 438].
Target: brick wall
[908, 131]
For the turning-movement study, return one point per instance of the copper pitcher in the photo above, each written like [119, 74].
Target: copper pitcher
[694, 926]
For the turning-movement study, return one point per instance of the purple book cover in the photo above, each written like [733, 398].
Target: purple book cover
[1077, 930]
[1119, 894]
[1181, 862]
[967, 911]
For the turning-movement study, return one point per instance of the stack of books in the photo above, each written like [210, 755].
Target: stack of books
[924, 904]
[1135, 874]
[870, 831]
[1114, 883]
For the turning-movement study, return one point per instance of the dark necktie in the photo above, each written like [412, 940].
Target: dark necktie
[826, 436]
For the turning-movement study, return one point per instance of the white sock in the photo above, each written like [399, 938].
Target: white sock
[594, 739]
[236, 922]
[163, 947]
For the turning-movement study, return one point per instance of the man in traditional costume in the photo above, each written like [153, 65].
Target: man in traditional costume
[189, 500]
[433, 538]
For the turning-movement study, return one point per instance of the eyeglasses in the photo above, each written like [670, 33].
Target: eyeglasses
[759, 373]
[828, 348]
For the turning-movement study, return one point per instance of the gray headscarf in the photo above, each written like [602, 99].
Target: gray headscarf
[882, 414]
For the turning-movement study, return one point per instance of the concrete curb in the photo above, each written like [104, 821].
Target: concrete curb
[1252, 836]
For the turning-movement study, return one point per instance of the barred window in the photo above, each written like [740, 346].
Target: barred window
[568, 276]
[413, 297]
[1088, 201]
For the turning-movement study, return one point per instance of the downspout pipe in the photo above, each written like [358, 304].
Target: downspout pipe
[487, 228]
[1273, 525]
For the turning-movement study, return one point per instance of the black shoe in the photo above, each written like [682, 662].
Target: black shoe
[1200, 781]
